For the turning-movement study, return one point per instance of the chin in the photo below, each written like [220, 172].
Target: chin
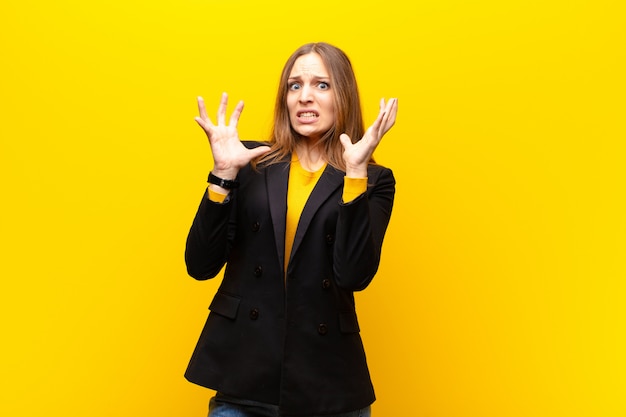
[307, 133]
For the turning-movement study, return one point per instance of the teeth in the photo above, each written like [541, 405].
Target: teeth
[307, 114]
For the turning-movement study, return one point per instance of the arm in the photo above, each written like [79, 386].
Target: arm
[363, 221]
[208, 240]
[361, 229]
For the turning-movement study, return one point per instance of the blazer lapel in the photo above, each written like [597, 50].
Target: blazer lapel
[330, 180]
[277, 179]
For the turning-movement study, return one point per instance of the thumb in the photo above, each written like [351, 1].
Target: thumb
[260, 151]
[345, 140]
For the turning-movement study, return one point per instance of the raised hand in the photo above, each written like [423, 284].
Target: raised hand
[229, 154]
[357, 155]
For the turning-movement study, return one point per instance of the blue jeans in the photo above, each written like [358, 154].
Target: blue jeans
[223, 406]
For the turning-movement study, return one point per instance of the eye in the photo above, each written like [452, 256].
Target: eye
[294, 86]
[323, 85]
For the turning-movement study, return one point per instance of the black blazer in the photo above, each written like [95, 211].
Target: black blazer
[288, 340]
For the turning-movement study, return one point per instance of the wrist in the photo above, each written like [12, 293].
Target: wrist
[356, 172]
[223, 183]
[227, 174]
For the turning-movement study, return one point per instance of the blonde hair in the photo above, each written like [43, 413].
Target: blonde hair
[348, 117]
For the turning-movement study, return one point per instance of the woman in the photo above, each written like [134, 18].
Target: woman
[299, 223]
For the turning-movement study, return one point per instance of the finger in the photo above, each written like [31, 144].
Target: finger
[391, 113]
[221, 111]
[207, 126]
[389, 117]
[201, 122]
[378, 125]
[392, 107]
[202, 109]
[234, 118]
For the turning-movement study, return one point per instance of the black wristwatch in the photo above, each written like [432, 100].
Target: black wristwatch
[226, 184]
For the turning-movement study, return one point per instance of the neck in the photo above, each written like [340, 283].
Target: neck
[310, 156]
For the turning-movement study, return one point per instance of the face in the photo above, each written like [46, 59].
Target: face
[310, 99]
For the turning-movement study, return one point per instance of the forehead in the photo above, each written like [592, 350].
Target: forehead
[310, 64]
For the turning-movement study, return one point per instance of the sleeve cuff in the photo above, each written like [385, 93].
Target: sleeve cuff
[216, 196]
[353, 187]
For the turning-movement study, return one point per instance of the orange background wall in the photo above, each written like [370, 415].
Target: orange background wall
[502, 287]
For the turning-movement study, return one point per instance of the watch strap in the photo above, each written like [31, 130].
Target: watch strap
[226, 184]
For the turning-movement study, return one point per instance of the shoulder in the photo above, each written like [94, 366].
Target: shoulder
[377, 173]
[251, 144]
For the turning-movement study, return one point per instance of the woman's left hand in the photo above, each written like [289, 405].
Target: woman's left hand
[357, 155]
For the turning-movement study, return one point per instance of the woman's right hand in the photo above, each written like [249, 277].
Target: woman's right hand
[229, 154]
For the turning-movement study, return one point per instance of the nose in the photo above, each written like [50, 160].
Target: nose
[306, 94]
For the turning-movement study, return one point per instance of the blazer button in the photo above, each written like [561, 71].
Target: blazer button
[330, 239]
[322, 329]
[256, 226]
[254, 314]
[326, 284]
[258, 271]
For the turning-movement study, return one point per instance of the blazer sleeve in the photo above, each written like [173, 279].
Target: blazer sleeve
[213, 231]
[208, 240]
[361, 228]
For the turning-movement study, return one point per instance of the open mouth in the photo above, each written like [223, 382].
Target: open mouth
[308, 114]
